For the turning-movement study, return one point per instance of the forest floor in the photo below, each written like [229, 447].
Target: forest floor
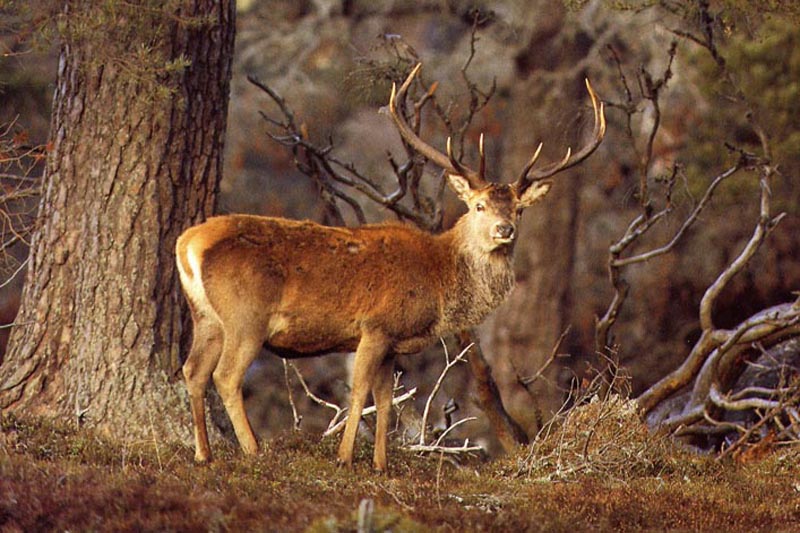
[59, 478]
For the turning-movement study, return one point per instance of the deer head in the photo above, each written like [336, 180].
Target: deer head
[494, 208]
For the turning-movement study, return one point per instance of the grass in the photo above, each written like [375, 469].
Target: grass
[58, 478]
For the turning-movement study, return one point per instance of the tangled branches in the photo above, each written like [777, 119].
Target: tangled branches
[602, 435]
[720, 357]
[19, 168]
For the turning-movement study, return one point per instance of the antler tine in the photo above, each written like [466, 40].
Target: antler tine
[457, 166]
[527, 177]
[482, 167]
[529, 165]
[447, 162]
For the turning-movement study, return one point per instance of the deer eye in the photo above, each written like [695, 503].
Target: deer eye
[479, 207]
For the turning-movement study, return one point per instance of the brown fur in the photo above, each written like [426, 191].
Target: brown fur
[303, 289]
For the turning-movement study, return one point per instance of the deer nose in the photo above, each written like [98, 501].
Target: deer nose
[504, 230]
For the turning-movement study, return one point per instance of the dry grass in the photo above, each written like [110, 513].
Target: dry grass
[604, 438]
[57, 478]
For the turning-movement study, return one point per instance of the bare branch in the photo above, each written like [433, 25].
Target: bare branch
[743, 404]
[525, 382]
[297, 418]
[642, 227]
[448, 365]
[765, 224]
[773, 411]
[339, 412]
[337, 425]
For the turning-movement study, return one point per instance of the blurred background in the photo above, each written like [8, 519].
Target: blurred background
[328, 58]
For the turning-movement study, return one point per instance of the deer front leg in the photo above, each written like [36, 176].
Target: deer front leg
[382, 395]
[369, 356]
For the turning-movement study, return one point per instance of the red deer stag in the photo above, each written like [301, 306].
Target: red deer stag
[301, 289]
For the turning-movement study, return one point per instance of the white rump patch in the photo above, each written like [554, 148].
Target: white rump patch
[193, 282]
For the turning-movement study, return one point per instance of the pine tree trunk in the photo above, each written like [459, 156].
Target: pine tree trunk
[132, 163]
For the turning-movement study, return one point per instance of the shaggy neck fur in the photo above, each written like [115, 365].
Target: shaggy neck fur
[482, 279]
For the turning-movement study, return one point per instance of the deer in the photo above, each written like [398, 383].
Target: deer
[301, 289]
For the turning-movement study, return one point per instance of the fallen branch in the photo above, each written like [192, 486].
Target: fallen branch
[333, 429]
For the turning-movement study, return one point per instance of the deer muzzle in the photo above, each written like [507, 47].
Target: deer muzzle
[503, 232]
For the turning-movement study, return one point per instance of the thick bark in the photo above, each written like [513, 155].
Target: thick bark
[130, 166]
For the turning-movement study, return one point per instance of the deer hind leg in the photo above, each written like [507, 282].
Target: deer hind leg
[238, 352]
[382, 395]
[369, 357]
[203, 357]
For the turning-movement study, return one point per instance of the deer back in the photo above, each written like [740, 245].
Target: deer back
[312, 289]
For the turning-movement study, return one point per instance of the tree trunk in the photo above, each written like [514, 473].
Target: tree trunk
[135, 157]
[528, 325]
[543, 106]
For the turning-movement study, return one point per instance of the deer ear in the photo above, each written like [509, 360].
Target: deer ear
[460, 186]
[534, 193]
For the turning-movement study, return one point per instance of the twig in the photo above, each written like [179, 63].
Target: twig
[452, 427]
[13, 275]
[297, 418]
[453, 450]
[690, 220]
[339, 411]
[746, 436]
[553, 354]
[448, 365]
[336, 425]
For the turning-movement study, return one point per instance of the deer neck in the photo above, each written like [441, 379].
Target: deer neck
[480, 280]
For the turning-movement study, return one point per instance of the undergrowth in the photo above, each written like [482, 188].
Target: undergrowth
[596, 469]
[602, 438]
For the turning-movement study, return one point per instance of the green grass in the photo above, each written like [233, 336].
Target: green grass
[58, 478]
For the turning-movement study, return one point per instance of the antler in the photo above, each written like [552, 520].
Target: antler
[447, 162]
[527, 177]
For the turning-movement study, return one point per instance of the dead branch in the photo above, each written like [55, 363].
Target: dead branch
[422, 445]
[773, 412]
[715, 359]
[752, 330]
[339, 412]
[640, 226]
[295, 416]
[335, 426]
[744, 404]
[448, 365]
[339, 419]
[650, 90]
[526, 382]
[712, 338]
[465, 448]
[20, 169]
